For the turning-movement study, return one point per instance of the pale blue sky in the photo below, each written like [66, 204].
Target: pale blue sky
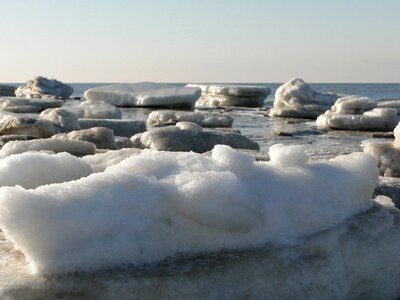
[200, 41]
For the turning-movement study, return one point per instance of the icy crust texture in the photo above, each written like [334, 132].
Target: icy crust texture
[387, 154]
[41, 87]
[145, 94]
[231, 95]
[169, 117]
[296, 99]
[156, 205]
[360, 113]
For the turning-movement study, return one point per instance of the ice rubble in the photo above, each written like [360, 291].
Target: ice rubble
[231, 95]
[42, 87]
[296, 99]
[157, 204]
[170, 117]
[387, 154]
[31, 126]
[145, 94]
[34, 169]
[359, 113]
[188, 136]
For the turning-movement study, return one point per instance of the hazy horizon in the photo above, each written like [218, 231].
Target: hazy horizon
[209, 41]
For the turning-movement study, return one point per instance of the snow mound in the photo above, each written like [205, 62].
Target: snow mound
[31, 170]
[156, 205]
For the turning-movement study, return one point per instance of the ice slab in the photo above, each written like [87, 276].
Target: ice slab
[159, 204]
[42, 87]
[100, 110]
[24, 105]
[145, 94]
[78, 148]
[295, 98]
[187, 136]
[123, 127]
[169, 117]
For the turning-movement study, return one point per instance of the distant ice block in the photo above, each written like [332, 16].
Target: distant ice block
[387, 154]
[78, 148]
[296, 99]
[231, 95]
[358, 113]
[159, 204]
[123, 127]
[145, 94]
[100, 110]
[102, 137]
[187, 136]
[31, 170]
[42, 87]
[7, 90]
[169, 117]
[25, 105]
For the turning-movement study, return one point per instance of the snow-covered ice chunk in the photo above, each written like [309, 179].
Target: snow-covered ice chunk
[145, 94]
[170, 117]
[296, 99]
[188, 136]
[27, 126]
[231, 95]
[378, 119]
[42, 87]
[102, 137]
[100, 110]
[387, 154]
[78, 148]
[31, 170]
[122, 127]
[25, 105]
[63, 118]
[158, 204]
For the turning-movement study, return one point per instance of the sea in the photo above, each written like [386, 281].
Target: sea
[318, 267]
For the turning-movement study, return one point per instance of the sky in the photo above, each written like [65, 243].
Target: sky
[200, 41]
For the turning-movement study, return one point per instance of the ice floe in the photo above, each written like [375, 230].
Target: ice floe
[100, 110]
[188, 136]
[42, 87]
[169, 117]
[296, 99]
[63, 118]
[156, 205]
[231, 95]
[20, 125]
[145, 94]
[359, 113]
